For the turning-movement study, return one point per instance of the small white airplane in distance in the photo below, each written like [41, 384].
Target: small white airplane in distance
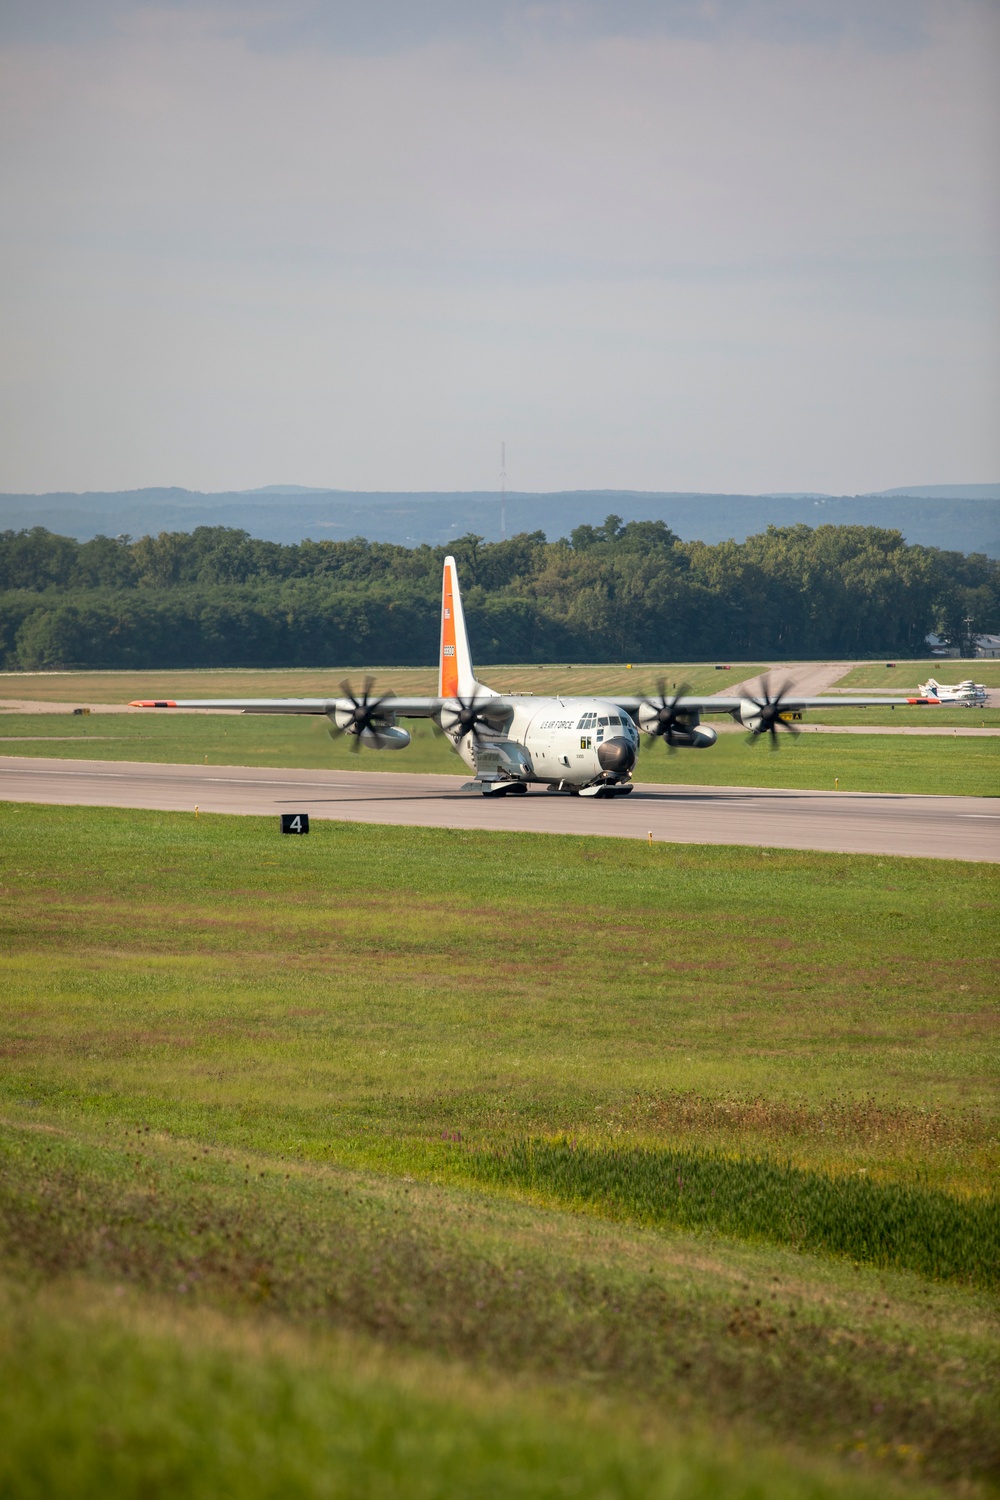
[967, 692]
[585, 746]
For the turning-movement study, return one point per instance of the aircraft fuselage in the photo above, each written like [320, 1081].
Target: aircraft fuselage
[573, 742]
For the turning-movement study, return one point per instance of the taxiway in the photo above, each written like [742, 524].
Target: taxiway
[966, 828]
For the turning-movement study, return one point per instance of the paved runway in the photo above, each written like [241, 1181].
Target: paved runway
[942, 827]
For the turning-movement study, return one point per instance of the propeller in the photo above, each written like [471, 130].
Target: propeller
[770, 720]
[463, 716]
[361, 716]
[668, 724]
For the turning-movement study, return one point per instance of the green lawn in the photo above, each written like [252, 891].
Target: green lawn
[490, 1164]
[904, 676]
[122, 687]
[929, 717]
[141, 1396]
[641, 677]
[933, 765]
[961, 766]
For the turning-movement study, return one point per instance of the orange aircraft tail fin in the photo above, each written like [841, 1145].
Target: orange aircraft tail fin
[455, 676]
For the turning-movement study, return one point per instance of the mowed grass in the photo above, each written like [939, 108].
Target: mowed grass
[921, 765]
[879, 763]
[551, 678]
[144, 1397]
[938, 716]
[122, 687]
[326, 1331]
[370, 985]
[905, 676]
[350, 1164]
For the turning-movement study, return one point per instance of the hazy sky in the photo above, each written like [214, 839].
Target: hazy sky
[738, 245]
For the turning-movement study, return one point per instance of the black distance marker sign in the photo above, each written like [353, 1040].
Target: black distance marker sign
[295, 822]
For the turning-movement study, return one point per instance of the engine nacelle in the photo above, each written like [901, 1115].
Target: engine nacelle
[647, 717]
[343, 718]
[750, 715]
[384, 737]
[382, 734]
[688, 731]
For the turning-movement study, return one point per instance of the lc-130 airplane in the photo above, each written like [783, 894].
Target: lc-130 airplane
[585, 746]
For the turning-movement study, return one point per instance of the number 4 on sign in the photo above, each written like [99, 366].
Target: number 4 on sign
[295, 822]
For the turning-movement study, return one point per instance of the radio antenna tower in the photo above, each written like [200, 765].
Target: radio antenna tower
[503, 492]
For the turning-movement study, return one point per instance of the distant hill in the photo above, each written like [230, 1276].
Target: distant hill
[949, 491]
[962, 518]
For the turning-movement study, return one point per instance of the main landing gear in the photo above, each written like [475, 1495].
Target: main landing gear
[604, 789]
[520, 789]
[497, 788]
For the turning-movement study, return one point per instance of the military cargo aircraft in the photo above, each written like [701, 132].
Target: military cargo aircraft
[585, 746]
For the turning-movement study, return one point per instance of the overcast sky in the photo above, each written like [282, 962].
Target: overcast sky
[741, 245]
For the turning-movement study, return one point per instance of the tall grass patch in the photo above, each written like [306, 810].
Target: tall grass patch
[889, 1224]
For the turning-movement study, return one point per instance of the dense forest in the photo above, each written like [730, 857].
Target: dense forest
[218, 597]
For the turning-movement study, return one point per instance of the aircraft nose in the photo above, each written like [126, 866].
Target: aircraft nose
[616, 754]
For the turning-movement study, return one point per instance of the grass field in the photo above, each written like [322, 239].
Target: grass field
[642, 677]
[122, 687]
[906, 675]
[862, 763]
[465, 1163]
[932, 716]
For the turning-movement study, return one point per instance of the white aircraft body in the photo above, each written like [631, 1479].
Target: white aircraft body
[584, 746]
[968, 692]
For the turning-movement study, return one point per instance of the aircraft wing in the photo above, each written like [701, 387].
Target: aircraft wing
[426, 708]
[789, 702]
[406, 708]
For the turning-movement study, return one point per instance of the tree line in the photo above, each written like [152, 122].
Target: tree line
[217, 597]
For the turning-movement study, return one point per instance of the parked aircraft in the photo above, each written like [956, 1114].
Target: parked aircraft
[585, 746]
[968, 692]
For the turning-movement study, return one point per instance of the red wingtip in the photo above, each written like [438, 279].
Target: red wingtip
[153, 703]
[925, 700]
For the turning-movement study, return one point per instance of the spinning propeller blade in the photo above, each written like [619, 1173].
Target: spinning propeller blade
[463, 716]
[667, 722]
[363, 713]
[770, 714]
